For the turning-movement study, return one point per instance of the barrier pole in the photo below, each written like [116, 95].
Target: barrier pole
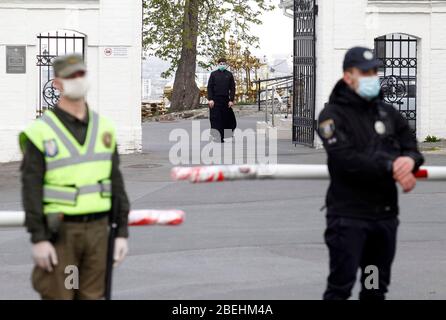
[277, 171]
[136, 218]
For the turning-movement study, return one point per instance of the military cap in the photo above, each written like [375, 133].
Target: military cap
[65, 66]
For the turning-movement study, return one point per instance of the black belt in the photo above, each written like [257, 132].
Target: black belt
[85, 217]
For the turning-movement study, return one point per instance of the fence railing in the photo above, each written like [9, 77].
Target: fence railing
[276, 95]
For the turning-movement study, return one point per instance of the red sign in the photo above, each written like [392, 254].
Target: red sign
[108, 52]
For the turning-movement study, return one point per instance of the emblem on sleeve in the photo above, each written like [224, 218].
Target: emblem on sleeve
[107, 139]
[380, 127]
[327, 128]
[51, 149]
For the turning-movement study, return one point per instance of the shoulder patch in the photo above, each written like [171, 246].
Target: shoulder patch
[107, 139]
[51, 149]
[327, 128]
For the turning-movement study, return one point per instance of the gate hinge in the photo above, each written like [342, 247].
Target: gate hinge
[316, 9]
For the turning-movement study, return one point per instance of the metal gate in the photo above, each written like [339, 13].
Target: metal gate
[52, 45]
[304, 73]
[398, 52]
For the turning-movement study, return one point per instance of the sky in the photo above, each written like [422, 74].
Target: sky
[276, 34]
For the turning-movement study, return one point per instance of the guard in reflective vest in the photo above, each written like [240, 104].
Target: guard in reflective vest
[70, 170]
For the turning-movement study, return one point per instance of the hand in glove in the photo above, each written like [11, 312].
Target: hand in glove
[121, 250]
[44, 255]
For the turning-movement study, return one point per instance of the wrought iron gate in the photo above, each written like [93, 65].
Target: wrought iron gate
[398, 52]
[52, 45]
[304, 72]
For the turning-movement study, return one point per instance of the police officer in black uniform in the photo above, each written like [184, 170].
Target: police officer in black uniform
[370, 148]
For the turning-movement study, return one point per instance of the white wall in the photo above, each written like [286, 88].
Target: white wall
[349, 23]
[120, 85]
[116, 82]
[335, 35]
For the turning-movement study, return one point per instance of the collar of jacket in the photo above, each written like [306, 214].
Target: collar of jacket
[69, 117]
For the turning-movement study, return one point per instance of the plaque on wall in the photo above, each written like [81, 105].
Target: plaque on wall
[15, 59]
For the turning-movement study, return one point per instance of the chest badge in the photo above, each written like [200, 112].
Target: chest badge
[107, 139]
[380, 127]
[51, 149]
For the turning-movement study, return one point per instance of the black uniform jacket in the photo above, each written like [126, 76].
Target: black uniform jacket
[362, 139]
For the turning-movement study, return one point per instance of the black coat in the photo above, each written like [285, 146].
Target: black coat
[221, 89]
[362, 139]
[221, 84]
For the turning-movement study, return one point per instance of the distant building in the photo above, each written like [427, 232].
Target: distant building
[146, 89]
[106, 32]
[280, 67]
[152, 70]
[408, 36]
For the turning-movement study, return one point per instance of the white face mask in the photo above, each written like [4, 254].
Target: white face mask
[75, 89]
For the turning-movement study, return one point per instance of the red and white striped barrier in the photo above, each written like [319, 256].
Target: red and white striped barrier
[136, 218]
[277, 171]
[156, 217]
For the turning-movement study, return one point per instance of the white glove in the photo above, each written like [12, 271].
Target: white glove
[44, 255]
[121, 250]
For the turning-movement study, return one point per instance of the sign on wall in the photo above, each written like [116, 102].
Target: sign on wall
[16, 59]
[116, 52]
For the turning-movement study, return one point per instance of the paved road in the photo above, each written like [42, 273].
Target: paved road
[241, 240]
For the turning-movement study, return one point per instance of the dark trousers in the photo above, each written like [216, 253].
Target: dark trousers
[358, 243]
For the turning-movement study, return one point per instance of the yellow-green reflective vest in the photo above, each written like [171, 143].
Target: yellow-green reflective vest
[77, 178]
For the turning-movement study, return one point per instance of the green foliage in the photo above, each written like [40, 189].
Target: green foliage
[163, 27]
[432, 139]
